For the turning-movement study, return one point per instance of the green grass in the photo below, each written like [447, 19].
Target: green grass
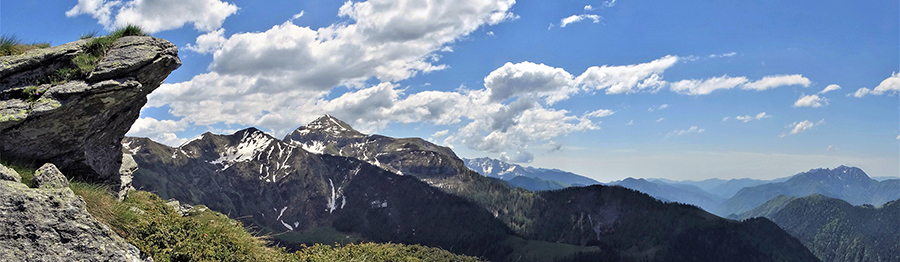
[26, 171]
[378, 252]
[89, 35]
[12, 45]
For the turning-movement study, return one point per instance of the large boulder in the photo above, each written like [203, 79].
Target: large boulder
[78, 124]
[51, 223]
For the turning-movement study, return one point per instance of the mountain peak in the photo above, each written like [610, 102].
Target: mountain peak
[330, 125]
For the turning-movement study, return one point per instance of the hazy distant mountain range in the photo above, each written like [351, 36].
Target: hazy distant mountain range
[326, 182]
[507, 171]
[681, 193]
[850, 184]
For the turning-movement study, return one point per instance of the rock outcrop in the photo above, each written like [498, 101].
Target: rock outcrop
[50, 223]
[78, 124]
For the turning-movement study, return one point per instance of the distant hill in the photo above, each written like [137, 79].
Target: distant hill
[847, 183]
[681, 193]
[835, 230]
[490, 167]
[721, 187]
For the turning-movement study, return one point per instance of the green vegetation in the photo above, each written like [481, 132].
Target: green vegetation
[11, 45]
[25, 171]
[378, 252]
[89, 35]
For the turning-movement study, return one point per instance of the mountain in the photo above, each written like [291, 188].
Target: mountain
[721, 187]
[835, 230]
[850, 184]
[681, 193]
[282, 188]
[500, 169]
[433, 199]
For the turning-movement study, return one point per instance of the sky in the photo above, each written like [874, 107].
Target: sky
[606, 89]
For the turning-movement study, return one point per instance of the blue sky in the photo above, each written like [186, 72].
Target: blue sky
[606, 89]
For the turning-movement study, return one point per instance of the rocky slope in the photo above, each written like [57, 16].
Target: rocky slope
[850, 184]
[50, 223]
[78, 123]
[835, 230]
[496, 168]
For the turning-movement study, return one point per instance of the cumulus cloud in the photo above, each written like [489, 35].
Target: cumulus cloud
[811, 101]
[890, 85]
[161, 131]
[578, 18]
[609, 3]
[627, 78]
[588, 8]
[706, 86]
[691, 130]
[209, 42]
[829, 88]
[748, 118]
[517, 157]
[156, 15]
[770, 82]
[798, 127]
[554, 84]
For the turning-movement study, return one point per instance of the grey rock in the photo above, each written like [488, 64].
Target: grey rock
[7, 174]
[78, 124]
[126, 172]
[52, 224]
[49, 177]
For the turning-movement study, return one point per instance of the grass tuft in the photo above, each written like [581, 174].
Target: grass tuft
[89, 35]
[26, 171]
[12, 45]
[128, 30]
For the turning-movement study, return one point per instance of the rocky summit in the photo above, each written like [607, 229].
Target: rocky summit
[77, 123]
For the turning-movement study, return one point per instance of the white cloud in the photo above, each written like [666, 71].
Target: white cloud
[769, 82]
[723, 55]
[517, 157]
[609, 3]
[630, 123]
[725, 118]
[553, 84]
[209, 42]
[692, 129]
[578, 18]
[627, 78]
[830, 87]
[297, 16]
[748, 118]
[437, 135]
[588, 8]
[490, 33]
[661, 107]
[660, 119]
[811, 101]
[156, 15]
[600, 113]
[161, 131]
[890, 85]
[706, 86]
[798, 127]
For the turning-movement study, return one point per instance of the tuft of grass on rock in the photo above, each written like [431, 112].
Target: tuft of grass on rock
[89, 35]
[26, 171]
[12, 45]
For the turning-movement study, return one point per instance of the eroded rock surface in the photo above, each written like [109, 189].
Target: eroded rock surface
[52, 224]
[78, 124]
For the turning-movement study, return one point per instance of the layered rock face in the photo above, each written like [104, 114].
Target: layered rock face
[50, 223]
[78, 124]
